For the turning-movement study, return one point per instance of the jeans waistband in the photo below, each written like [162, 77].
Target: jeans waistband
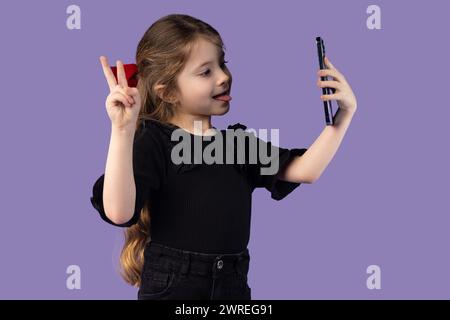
[202, 263]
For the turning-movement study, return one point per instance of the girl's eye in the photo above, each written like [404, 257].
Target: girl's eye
[207, 71]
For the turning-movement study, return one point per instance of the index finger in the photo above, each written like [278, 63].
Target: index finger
[109, 75]
[329, 64]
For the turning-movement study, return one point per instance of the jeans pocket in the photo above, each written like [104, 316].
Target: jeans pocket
[156, 283]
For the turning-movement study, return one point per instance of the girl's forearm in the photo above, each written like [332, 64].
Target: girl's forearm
[310, 166]
[119, 190]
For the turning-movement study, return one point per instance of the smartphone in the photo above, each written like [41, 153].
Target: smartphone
[328, 107]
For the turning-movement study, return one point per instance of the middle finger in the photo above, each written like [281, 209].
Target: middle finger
[121, 77]
[329, 72]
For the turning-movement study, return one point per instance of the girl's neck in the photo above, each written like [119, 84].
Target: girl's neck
[187, 123]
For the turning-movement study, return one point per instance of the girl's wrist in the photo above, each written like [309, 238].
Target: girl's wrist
[123, 132]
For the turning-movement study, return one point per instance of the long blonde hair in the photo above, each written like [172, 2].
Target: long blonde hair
[161, 55]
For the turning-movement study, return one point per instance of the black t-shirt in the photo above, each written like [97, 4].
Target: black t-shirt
[197, 206]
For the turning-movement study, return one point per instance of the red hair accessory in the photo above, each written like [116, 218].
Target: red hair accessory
[131, 71]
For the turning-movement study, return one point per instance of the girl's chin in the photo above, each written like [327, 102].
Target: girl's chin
[222, 110]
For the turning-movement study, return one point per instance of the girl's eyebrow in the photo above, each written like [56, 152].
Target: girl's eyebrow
[204, 64]
[208, 62]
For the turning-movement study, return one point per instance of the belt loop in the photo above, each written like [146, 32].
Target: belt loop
[185, 263]
[237, 264]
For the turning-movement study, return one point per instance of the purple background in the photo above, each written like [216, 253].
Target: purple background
[382, 199]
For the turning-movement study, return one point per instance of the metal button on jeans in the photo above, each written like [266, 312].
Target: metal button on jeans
[219, 264]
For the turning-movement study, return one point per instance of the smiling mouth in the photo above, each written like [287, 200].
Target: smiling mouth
[222, 94]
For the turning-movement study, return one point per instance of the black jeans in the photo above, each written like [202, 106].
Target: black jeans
[173, 274]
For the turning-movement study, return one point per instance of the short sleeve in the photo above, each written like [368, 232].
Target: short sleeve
[280, 158]
[148, 166]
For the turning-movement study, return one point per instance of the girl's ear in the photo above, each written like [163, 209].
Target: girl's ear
[161, 91]
[158, 89]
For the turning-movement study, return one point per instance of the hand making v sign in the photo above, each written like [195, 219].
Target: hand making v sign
[123, 102]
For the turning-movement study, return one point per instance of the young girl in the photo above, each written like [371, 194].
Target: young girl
[188, 224]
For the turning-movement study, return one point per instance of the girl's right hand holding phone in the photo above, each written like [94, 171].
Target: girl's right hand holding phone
[123, 103]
